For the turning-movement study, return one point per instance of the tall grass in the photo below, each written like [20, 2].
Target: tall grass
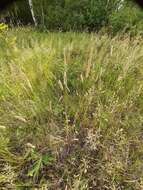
[71, 111]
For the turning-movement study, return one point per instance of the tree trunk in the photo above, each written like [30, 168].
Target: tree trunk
[32, 12]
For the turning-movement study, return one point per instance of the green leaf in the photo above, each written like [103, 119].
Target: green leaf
[34, 172]
[47, 159]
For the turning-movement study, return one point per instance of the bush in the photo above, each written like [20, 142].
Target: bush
[127, 19]
[71, 15]
[67, 15]
[80, 15]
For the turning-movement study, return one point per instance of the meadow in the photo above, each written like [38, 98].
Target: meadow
[71, 111]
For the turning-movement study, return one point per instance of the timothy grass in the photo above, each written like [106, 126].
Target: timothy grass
[71, 111]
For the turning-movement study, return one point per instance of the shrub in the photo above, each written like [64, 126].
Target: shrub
[66, 15]
[127, 19]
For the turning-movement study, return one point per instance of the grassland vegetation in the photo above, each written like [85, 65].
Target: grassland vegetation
[71, 111]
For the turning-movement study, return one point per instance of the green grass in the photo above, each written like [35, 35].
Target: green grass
[71, 111]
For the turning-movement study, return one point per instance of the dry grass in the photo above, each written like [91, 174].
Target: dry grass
[71, 111]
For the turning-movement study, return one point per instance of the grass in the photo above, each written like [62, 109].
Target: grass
[71, 111]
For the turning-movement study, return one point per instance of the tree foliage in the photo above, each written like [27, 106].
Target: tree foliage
[80, 15]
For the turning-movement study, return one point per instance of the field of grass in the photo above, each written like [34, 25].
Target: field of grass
[71, 111]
